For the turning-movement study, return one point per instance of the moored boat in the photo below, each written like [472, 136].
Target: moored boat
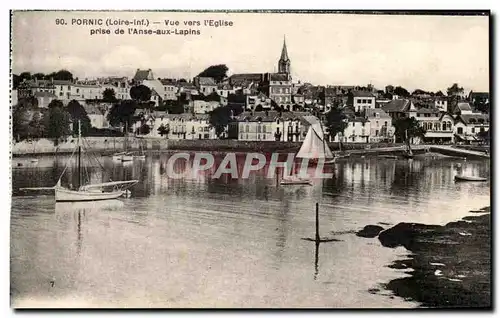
[127, 157]
[295, 180]
[460, 177]
[89, 192]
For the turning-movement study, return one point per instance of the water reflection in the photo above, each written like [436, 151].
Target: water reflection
[233, 236]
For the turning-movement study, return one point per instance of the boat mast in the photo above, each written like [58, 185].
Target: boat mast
[79, 154]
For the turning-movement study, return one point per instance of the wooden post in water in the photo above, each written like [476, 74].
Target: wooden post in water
[317, 222]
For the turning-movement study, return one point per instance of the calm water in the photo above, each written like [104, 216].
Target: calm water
[200, 242]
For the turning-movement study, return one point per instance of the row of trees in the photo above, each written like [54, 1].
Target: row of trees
[63, 75]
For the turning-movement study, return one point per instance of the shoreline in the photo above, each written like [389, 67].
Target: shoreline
[448, 266]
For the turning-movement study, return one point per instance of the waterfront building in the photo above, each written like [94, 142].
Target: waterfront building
[380, 125]
[468, 126]
[358, 130]
[269, 126]
[438, 126]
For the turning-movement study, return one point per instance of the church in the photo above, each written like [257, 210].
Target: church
[278, 86]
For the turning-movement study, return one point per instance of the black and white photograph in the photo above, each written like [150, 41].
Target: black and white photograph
[234, 159]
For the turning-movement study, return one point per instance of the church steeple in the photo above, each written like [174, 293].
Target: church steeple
[284, 62]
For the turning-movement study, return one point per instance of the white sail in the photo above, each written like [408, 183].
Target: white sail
[314, 145]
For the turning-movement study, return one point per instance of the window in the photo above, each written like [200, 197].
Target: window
[385, 123]
[258, 128]
[448, 125]
[264, 128]
[460, 130]
[369, 101]
[376, 132]
[377, 115]
[77, 90]
[247, 128]
[418, 115]
[472, 130]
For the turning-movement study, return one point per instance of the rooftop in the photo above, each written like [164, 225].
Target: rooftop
[362, 94]
[397, 105]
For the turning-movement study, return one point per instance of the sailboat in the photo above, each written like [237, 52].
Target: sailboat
[314, 148]
[87, 192]
[408, 153]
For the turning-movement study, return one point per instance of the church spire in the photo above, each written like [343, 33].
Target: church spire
[284, 52]
[284, 62]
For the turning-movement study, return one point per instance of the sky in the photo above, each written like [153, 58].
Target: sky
[414, 51]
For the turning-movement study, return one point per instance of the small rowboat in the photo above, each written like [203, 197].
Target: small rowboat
[468, 178]
[295, 181]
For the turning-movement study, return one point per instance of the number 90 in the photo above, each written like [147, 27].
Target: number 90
[60, 22]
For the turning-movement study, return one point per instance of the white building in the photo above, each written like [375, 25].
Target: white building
[362, 100]
[468, 126]
[270, 126]
[380, 125]
[204, 107]
[357, 130]
[441, 103]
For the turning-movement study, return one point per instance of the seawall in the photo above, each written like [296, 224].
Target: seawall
[108, 145]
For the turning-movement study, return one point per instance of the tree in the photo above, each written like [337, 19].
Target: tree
[144, 129]
[219, 119]
[335, 120]
[140, 93]
[57, 122]
[408, 128]
[61, 75]
[259, 108]
[401, 91]
[108, 95]
[78, 113]
[439, 93]
[20, 123]
[36, 127]
[217, 72]
[455, 90]
[122, 113]
[25, 76]
[55, 103]
[173, 106]
[39, 76]
[28, 102]
[163, 130]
